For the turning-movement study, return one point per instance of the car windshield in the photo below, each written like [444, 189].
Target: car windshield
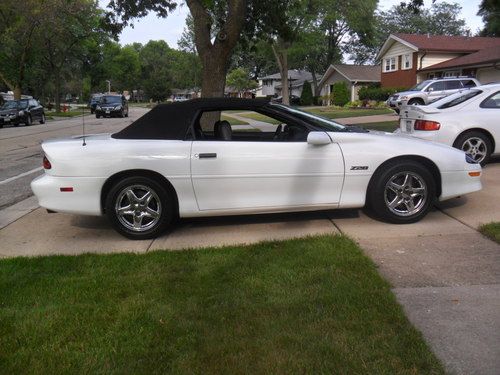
[319, 121]
[455, 99]
[420, 86]
[111, 100]
[15, 104]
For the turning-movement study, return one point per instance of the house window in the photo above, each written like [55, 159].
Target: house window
[453, 73]
[390, 64]
[407, 63]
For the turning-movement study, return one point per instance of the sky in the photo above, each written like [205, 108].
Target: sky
[170, 29]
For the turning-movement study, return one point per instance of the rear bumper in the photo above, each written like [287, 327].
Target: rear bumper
[85, 199]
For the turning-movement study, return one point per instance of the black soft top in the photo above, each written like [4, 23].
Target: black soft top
[171, 121]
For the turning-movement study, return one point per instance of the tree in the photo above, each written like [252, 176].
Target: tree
[340, 94]
[223, 18]
[240, 80]
[156, 78]
[489, 10]
[440, 19]
[306, 98]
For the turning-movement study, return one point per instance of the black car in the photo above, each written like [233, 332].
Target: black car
[24, 111]
[294, 100]
[94, 100]
[111, 106]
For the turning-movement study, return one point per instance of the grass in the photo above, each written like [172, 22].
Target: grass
[232, 120]
[491, 230]
[385, 126]
[74, 113]
[259, 117]
[314, 305]
[343, 113]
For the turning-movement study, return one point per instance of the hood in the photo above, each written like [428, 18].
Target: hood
[403, 93]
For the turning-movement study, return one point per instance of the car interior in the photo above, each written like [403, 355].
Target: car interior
[215, 125]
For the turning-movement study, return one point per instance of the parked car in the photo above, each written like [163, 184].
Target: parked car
[429, 91]
[24, 111]
[468, 120]
[94, 100]
[111, 106]
[177, 161]
[179, 99]
[294, 99]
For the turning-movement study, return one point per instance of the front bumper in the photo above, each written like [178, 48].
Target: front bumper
[11, 120]
[457, 183]
[85, 199]
[108, 113]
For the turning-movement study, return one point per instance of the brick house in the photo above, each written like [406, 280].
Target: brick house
[407, 59]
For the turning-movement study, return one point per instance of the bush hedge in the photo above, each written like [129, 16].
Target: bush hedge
[378, 93]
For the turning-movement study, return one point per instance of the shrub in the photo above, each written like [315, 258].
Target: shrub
[306, 98]
[340, 94]
[378, 93]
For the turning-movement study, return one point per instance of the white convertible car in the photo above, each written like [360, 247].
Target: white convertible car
[181, 160]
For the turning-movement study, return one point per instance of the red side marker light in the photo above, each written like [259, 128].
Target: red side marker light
[426, 125]
[46, 163]
[66, 189]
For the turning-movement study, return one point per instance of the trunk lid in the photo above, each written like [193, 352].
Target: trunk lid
[409, 114]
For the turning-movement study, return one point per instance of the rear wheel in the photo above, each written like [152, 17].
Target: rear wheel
[401, 193]
[139, 208]
[476, 145]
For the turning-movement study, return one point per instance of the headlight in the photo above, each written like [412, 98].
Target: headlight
[21, 113]
[403, 98]
[98, 107]
[118, 107]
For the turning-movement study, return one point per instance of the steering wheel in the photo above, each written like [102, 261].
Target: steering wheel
[278, 132]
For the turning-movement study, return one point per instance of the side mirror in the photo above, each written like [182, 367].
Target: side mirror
[318, 138]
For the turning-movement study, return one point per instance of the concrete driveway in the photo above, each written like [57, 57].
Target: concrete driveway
[444, 272]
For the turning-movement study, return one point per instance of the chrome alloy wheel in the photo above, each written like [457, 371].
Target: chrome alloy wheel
[475, 148]
[405, 194]
[138, 208]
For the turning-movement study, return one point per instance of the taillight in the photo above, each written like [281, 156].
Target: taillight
[426, 125]
[46, 163]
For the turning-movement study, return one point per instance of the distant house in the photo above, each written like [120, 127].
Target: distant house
[355, 76]
[185, 93]
[407, 59]
[271, 85]
[233, 92]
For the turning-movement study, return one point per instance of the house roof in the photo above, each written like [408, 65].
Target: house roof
[354, 73]
[484, 56]
[293, 74]
[439, 43]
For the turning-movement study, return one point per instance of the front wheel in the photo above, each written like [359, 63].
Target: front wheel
[42, 120]
[476, 145]
[402, 192]
[416, 102]
[28, 121]
[139, 208]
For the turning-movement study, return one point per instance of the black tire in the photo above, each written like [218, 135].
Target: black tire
[416, 101]
[162, 203]
[42, 120]
[122, 113]
[126, 113]
[97, 116]
[481, 146]
[1, 126]
[380, 195]
[28, 121]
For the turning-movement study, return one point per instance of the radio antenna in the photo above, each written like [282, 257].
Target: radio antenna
[83, 125]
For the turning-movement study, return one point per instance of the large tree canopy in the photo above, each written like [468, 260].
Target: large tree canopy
[489, 10]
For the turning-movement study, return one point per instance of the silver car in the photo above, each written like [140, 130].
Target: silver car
[429, 91]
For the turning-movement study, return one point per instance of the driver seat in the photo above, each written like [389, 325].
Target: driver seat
[223, 131]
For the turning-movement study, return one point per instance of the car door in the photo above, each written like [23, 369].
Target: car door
[489, 113]
[265, 174]
[435, 91]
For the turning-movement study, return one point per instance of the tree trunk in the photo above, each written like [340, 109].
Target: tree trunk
[315, 83]
[281, 54]
[17, 92]
[213, 77]
[57, 98]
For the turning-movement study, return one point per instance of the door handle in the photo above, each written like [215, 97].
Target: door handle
[207, 155]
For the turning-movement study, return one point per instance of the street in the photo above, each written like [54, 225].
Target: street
[21, 154]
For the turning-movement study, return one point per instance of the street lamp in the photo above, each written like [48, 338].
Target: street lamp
[109, 86]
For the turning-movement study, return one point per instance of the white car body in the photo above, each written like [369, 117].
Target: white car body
[471, 115]
[329, 170]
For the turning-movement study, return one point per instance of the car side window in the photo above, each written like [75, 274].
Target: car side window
[437, 86]
[453, 85]
[246, 126]
[493, 101]
[468, 83]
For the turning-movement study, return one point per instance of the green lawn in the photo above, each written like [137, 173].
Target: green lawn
[343, 113]
[232, 120]
[491, 230]
[259, 117]
[314, 305]
[68, 113]
[385, 126]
